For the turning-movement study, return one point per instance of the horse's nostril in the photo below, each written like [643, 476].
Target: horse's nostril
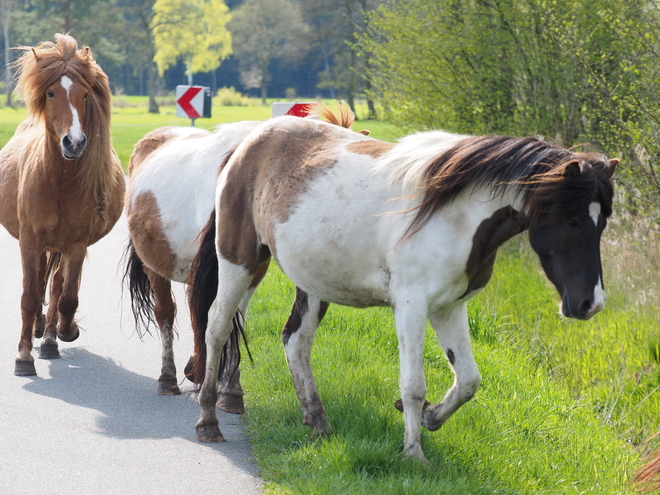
[585, 306]
[66, 142]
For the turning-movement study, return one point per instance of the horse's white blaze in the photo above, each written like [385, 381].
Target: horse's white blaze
[599, 298]
[75, 131]
[594, 212]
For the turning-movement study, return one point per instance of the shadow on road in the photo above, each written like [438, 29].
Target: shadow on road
[128, 403]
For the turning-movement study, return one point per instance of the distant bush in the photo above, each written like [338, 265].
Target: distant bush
[231, 98]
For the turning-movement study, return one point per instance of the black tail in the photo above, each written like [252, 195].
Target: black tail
[202, 290]
[139, 287]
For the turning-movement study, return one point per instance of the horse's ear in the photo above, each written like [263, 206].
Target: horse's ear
[571, 169]
[84, 52]
[611, 167]
[36, 57]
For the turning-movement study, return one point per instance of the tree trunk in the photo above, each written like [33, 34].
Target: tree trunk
[152, 86]
[6, 15]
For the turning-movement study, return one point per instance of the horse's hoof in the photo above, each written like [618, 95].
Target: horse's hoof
[73, 334]
[48, 350]
[39, 327]
[230, 403]
[25, 368]
[168, 386]
[209, 434]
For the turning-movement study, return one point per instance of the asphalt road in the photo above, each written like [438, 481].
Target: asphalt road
[91, 422]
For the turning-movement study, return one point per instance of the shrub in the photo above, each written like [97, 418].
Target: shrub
[231, 98]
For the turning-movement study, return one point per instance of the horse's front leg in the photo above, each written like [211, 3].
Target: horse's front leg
[40, 321]
[410, 328]
[453, 333]
[67, 305]
[30, 301]
[298, 337]
[233, 283]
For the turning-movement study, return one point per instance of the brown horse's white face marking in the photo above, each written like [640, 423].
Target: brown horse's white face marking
[66, 103]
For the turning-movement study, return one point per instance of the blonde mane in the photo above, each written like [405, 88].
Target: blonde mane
[344, 117]
[40, 67]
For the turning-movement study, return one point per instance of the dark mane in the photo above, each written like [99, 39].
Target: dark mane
[533, 165]
[39, 68]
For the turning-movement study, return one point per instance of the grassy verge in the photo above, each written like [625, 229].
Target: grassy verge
[526, 431]
[131, 121]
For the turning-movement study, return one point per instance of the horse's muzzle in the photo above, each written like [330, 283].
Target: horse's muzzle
[72, 149]
[582, 311]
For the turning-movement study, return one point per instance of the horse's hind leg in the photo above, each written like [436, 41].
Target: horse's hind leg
[230, 392]
[165, 311]
[298, 337]
[234, 282]
[49, 349]
[40, 321]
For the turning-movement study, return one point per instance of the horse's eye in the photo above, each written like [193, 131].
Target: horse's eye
[50, 94]
[86, 95]
[572, 223]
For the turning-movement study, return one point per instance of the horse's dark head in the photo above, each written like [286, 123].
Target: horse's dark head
[568, 211]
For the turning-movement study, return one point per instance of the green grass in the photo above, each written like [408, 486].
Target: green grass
[526, 431]
[131, 121]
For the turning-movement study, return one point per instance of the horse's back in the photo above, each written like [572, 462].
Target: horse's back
[171, 192]
[157, 138]
[308, 192]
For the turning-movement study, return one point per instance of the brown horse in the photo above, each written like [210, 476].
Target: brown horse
[61, 186]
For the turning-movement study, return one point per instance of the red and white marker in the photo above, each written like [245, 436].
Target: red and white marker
[297, 109]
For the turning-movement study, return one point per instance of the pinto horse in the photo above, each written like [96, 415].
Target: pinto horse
[414, 225]
[61, 186]
[171, 191]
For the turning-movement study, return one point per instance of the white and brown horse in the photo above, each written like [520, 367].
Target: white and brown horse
[172, 181]
[61, 186]
[414, 225]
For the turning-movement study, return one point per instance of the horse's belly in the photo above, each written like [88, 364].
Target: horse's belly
[336, 275]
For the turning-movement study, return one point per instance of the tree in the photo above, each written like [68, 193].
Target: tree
[192, 30]
[263, 31]
[575, 72]
[6, 7]
[336, 26]
[140, 43]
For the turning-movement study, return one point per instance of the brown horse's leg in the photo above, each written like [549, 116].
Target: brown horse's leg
[49, 348]
[165, 311]
[30, 302]
[67, 305]
[40, 321]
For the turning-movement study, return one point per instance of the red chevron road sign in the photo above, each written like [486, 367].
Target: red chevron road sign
[297, 109]
[193, 101]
